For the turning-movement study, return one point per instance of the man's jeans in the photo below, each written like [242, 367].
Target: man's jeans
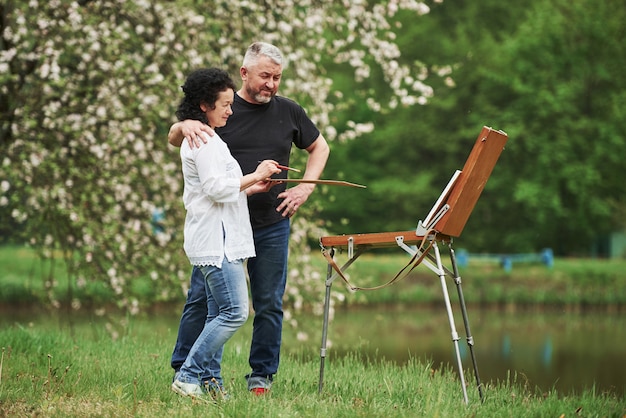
[227, 301]
[268, 275]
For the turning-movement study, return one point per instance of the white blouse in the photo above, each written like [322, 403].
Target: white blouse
[217, 223]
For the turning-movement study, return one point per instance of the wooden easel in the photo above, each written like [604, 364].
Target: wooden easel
[446, 220]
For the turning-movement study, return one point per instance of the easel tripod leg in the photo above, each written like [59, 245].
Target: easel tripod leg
[455, 335]
[470, 339]
[325, 325]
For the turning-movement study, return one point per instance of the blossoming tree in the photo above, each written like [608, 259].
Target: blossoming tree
[89, 89]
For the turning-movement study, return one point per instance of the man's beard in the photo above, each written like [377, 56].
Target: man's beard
[260, 98]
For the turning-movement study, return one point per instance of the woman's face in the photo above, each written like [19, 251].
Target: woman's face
[223, 109]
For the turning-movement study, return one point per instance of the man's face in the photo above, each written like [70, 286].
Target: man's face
[261, 81]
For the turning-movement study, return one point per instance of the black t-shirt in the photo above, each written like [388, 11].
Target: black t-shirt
[256, 132]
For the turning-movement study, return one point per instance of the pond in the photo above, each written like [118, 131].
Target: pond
[569, 351]
[562, 350]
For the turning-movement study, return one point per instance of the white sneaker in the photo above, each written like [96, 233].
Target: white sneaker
[188, 389]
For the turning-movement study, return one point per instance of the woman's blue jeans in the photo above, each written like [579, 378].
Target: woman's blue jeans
[191, 325]
[268, 276]
[227, 304]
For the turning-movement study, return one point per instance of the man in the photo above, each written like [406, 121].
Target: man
[263, 126]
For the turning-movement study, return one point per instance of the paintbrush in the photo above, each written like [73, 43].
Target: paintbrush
[284, 167]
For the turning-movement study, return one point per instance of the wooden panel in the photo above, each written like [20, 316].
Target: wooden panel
[379, 239]
[462, 198]
[375, 240]
[471, 182]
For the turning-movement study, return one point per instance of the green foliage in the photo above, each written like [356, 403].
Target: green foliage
[89, 91]
[560, 73]
[547, 73]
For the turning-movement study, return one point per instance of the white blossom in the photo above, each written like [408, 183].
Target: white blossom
[90, 147]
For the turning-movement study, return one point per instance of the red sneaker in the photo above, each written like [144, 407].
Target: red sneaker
[259, 391]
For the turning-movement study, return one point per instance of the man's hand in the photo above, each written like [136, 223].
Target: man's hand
[293, 198]
[296, 196]
[191, 130]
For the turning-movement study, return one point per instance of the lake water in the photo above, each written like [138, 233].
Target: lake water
[562, 350]
[569, 351]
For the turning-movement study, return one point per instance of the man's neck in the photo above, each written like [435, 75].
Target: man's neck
[246, 97]
[242, 93]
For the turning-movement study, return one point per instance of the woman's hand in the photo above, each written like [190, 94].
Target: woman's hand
[261, 187]
[266, 169]
[256, 182]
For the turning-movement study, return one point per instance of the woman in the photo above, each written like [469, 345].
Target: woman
[218, 235]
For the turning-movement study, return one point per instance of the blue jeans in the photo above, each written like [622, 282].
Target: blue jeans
[268, 277]
[192, 321]
[227, 305]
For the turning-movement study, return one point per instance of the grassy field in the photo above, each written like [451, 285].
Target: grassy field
[120, 368]
[577, 283]
[55, 364]
[574, 282]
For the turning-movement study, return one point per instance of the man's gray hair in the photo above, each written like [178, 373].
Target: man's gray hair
[259, 49]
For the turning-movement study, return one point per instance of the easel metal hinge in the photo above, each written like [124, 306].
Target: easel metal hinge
[350, 247]
[414, 251]
[423, 229]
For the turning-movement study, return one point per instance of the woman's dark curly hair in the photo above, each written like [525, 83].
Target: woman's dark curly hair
[202, 86]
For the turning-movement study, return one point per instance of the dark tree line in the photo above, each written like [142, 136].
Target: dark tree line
[550, 74]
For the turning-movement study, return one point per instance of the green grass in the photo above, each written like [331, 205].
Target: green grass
[76, 365]
[26, 279]
[49, 368]
[577, 283]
